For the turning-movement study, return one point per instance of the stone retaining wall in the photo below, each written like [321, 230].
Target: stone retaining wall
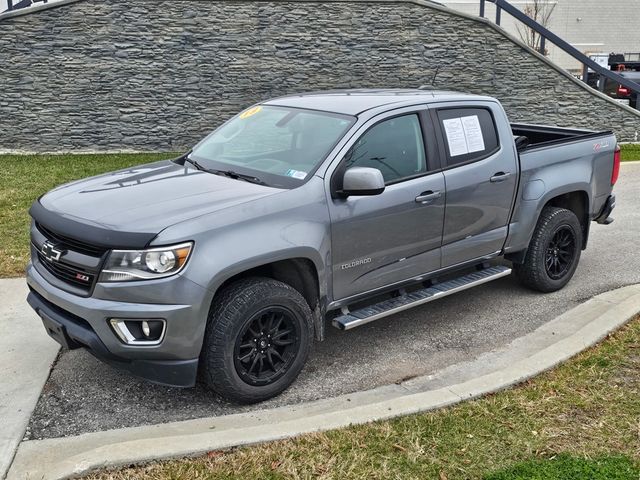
[158, 75]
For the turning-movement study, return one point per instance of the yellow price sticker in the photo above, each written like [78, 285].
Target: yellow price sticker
[250, 112]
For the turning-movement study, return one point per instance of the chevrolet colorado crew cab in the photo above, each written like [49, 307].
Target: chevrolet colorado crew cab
[336, 207]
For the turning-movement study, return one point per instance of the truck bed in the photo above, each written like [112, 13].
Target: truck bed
[556, 160]
[541, 135]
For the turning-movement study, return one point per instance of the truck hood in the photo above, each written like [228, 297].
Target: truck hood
[141, 200]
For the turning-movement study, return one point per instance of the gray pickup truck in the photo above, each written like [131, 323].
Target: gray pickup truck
[333, 207]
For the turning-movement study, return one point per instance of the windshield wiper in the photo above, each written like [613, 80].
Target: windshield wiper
[226, 173]
[194, 163]
[237, 176]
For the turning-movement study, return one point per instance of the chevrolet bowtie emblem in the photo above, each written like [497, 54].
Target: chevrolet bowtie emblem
[51, 253]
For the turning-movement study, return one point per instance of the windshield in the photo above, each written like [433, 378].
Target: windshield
[280, 146]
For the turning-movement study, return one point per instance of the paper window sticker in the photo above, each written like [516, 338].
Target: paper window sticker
[473, 133]
[456, 137]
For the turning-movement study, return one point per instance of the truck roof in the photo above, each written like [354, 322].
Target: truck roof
[356, 101]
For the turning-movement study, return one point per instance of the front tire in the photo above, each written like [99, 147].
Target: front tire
[554, 251]
[257, 340]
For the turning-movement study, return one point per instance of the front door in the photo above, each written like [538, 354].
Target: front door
[381, 240]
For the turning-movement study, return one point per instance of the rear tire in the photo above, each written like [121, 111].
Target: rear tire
[554, 251]
[257, 340]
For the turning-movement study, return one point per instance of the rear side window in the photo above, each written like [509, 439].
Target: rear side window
[395, 147]
[469, 134]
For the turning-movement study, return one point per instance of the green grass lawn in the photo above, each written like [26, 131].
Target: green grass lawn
[630, 152]
[580, 421]
[23, 178]
[566, 467]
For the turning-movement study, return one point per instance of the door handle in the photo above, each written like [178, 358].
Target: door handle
[500, 177]
[427, 197]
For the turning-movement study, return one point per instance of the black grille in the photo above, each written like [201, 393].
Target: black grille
[70, 243]
[69, 274]
[75, 277]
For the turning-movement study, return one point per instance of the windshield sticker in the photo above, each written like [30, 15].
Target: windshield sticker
[464, 135]
[296, 174]
[251, 112]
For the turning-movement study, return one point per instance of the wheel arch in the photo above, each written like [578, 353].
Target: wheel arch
[578, 203]
[576, 200]
[301, 273]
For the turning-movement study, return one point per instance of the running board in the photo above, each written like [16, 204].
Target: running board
[349, 320]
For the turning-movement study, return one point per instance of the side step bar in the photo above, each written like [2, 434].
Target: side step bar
[349, 320]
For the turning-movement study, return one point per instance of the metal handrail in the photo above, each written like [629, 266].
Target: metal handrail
[546, 34]
[11, 7]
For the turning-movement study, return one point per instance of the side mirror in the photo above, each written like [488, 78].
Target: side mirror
[362, 181]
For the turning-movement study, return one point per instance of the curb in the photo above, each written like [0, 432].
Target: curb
[546, 347]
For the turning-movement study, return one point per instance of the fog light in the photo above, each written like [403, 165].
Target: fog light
[145, 329]
[139, 332]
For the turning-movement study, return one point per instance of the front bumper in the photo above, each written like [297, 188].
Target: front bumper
[72, 332]
[83, 322]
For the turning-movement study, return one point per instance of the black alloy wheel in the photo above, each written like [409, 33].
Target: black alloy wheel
[258, 338]
[560, 252]
[554, 251]
[266, 346]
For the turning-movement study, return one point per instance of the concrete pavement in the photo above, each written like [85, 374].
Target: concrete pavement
[26, 355]
[552, 343]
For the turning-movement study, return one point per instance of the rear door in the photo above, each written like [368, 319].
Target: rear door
[479, 162]
[377, 241]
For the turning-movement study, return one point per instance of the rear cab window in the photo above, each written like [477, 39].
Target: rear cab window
[469, 134]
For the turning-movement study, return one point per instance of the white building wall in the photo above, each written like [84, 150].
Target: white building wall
[592, 26]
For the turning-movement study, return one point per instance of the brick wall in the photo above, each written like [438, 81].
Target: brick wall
[158, 75]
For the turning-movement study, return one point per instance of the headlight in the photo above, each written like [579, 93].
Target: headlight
[128, 265]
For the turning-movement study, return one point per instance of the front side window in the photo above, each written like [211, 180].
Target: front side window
[281, 146]
[395, 147]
